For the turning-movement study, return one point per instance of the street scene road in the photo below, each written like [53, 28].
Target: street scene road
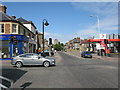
[69, 72]
[71, 45]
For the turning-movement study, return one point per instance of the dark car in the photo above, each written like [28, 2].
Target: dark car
[47, 53]
[86, 54]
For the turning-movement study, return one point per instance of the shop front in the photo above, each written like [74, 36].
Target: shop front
[10, 47]
[103, 46]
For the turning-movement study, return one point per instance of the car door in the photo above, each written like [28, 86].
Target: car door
[37, 60]
[28, 59]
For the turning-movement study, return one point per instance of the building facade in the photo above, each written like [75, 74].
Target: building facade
[56, 41]
[73, 44]
[110, 42]
[15, 36]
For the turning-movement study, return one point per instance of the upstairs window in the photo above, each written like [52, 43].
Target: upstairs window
[1, 28]
[14, 28]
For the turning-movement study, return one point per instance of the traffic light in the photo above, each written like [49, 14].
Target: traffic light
[50, 41]
[12, 39]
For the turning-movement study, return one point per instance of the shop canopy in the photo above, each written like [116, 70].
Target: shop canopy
[99, 40]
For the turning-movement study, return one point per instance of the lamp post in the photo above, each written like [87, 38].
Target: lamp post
[46, 24]
[98, 22]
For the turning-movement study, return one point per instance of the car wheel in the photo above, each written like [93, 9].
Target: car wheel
[18, 64]
[46, 64]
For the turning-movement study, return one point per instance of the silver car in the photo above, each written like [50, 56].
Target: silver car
[32, 59]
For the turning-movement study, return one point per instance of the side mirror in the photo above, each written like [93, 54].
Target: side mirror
[38, 57]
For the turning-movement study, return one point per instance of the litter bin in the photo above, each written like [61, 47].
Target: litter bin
[108, 52]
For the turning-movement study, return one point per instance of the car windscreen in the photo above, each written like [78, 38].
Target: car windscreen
[26, 55]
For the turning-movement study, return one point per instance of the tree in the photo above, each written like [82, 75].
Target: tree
[58, 47]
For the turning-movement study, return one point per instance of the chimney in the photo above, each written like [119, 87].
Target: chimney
[13, 17]
[3, 8]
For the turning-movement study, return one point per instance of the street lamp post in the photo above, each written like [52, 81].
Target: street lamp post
[98, 22]
[46, 24]
[98, 25]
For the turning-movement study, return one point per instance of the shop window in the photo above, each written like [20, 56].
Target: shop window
[5, 49]
[14, 28]
[1, 28]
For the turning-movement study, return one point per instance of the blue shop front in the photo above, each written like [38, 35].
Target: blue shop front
[10, 48]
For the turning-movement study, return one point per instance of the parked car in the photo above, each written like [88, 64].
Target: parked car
[47, 53]
[32, 59]
[86, 54]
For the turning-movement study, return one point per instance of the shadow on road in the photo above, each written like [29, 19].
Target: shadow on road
[32, 66]
[12, 74]
[25, 85]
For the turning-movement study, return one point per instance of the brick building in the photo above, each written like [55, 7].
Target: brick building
[17, 36]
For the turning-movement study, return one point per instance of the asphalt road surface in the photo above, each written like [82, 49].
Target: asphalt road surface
[69, 72]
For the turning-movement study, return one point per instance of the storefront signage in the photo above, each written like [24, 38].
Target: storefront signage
[102, 36]
[32, 41]
[18, 37]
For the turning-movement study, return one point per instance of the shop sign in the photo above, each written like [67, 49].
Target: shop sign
[102, 36]
[4, 37]
[18, 37]
[32, 41]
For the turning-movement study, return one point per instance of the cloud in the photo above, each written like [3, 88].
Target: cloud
[96, 0]
[111, 28]
[107, 13]
[108, 16]
[53, 36]
[63, 38]
[89, 32]
[60, 1]
[102, 8]
[107, 26]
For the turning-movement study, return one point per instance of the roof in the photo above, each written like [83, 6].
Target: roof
[23, 21]
[3, 5]
[5, 17]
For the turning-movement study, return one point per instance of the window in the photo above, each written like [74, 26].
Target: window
[14, 28]
[27, 56]
[1, 28]
[24, 32]
[35, 56]
[4, 49]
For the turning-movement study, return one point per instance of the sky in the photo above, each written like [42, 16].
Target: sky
[68, 20]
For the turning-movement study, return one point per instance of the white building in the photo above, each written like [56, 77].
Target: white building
[32, 28]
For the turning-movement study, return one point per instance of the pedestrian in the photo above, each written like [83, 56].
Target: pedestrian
[98, 52]
[55, 51]
[52, 53]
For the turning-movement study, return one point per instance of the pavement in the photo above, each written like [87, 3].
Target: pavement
[95, 56]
